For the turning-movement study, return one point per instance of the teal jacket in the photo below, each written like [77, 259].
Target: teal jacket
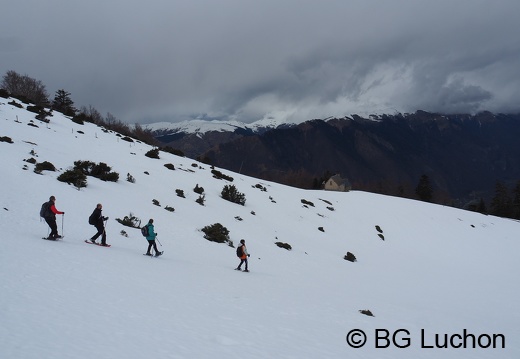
[151, 233]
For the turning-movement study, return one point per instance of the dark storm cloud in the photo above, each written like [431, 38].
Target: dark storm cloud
[291, 59]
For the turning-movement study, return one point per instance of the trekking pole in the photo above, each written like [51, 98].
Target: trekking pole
[158, 241]
[105, 227]
[62, 220]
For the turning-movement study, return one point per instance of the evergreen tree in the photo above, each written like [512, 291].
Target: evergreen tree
[501, 203]
[230, 193]
[481, 208]
[424, 189]
[516, 201]
[63, 103]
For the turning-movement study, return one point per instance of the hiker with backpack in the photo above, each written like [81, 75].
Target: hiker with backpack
[96, 219]
[242, 254]
[49, 212]
[148, 231]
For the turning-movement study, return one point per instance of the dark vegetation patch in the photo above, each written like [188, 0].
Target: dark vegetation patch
[284, 245]
[366, 312]
[130, 221]
[350, 257]
[217, 233]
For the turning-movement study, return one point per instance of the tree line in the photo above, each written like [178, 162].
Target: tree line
[30, 90]
[505, 202]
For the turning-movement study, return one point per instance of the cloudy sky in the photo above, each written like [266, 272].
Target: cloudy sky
[170, 60]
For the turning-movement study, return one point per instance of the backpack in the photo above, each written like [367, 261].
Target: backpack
[144, 231]
[44, 211]
[240, 252]
[91, 219]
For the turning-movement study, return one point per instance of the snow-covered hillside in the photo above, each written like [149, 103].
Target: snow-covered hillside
[438, 271]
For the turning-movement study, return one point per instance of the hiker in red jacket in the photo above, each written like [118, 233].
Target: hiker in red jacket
[50, 218]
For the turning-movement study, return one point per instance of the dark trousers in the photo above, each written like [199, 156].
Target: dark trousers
[100, 232]
[54, 227]
[241, 262]
[150, 245]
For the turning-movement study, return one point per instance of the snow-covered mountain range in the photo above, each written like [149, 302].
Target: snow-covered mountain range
[430, 275]
[199, 126]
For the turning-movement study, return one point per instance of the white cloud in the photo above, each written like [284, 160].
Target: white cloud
[178, 59]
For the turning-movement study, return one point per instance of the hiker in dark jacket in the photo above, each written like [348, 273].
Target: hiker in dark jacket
[151, 239]
[97, 220]
[50, 218]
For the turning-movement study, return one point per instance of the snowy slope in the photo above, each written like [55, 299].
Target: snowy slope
[439, 269]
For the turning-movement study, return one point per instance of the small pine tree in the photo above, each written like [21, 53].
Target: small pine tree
[216, 233]
[424, 189]
[501, 204]
[481, 208]
[201, 200]
[230, 193]
[516, 201]
[130, 178]
[63, 103]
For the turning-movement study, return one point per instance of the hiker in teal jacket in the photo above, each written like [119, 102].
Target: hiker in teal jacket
[151, 239]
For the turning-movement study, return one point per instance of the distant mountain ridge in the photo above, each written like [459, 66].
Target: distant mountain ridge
[464, 155]
[196, 136]
[198, 126]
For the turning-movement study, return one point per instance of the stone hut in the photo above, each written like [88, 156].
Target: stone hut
[336, 183]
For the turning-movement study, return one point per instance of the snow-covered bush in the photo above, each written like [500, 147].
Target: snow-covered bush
[130, 221]
[217, 233]
[153, 153]
[44, 166]
[201, 200]
[74, 177]
[284, 245]
[230, 193]
[350, 257]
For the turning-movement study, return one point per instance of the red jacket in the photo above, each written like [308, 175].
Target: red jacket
[54, 210]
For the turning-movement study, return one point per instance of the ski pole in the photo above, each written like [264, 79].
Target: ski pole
[105, 227]
[158, 241]
[62, 220]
